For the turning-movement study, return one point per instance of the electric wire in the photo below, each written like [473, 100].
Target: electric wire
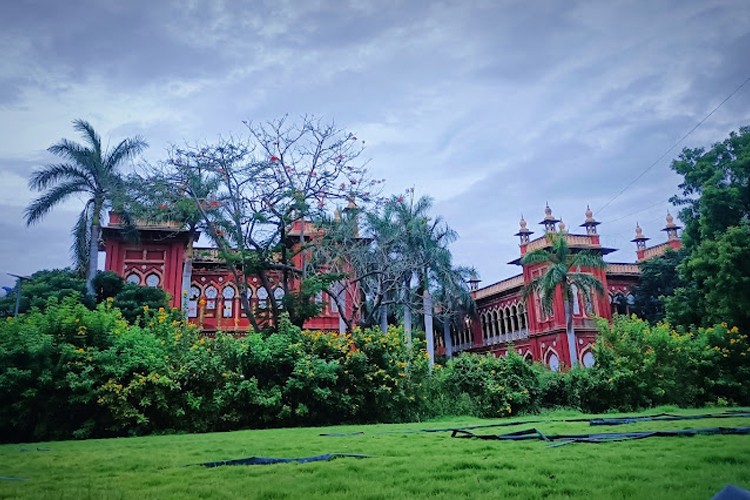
[639, 176]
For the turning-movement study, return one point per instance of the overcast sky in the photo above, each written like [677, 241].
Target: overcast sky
[491, 107]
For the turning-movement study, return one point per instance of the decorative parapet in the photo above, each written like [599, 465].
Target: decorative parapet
[115, 220]
[656, 251]
[623, 268]
[573, 240]
[499, 287]
[207, 255]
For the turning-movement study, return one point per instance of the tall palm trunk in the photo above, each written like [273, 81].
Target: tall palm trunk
[570, 331]
[96, 230]
[447, 339]
[187, 275]
[407, 313]
[429, 334]
[384, 318]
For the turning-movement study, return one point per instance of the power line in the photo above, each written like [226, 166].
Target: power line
[636, 212]
[674, 145]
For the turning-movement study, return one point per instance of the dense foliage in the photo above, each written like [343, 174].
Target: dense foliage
[69, 371]
[658, 281]
[715, 201]
[42, 285]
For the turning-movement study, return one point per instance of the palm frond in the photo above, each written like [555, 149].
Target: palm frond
[42, 205]
[87, 131]
[54, 173]
[126, 149]
[584, 281]
[541, 256]
[82, 156]
[586, 259]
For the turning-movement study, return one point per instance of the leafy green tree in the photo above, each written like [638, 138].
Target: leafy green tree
[107, 285]
[715, 188]
[87, 170]
[717, 282]
[563, 271]
[716, 211]
[42, 285]
[659, 279]
[134, 300]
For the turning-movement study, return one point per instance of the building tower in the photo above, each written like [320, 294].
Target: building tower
[524, 232]
[671, 228]
[590, 223]
[549, 220]
[640, 241]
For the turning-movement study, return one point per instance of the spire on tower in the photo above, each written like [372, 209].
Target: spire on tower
[590, 223]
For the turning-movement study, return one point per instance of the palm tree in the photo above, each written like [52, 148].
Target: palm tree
[90, 171]
[564, 271]
[424, 240]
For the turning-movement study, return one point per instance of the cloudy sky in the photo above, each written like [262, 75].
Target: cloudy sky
[491, 107]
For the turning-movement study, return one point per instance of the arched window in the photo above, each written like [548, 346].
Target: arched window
[588, 359]
[553, 361]
[619, 304]
[211, 294]
[522, 316]
[588, 304]
[278, 296]
[153, 280]
[495, 329]
[574, 297]
[133, 279]
[262, 298]
[514, 317]
[192, 301]
[249, 302]
[229, 293]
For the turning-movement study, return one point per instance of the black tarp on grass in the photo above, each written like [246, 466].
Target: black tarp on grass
[271, 461]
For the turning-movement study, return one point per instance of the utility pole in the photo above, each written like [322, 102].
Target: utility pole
[19, 280]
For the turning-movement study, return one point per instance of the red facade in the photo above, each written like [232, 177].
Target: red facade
[157, 258]
[505, 317]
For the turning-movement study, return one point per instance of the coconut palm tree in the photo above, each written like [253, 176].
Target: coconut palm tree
[563, 271]
[87, 170]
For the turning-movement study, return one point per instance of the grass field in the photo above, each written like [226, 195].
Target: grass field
[403, 465]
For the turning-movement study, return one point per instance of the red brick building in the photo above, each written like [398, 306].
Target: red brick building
[157, 258]
[505, 316]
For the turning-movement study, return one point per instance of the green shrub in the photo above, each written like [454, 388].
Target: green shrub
[488, 386]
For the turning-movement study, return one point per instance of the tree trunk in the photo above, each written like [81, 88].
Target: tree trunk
[94, 249]
[570, 333]
[187, 276]
[407, 315]
[447, 336]
[341, 305]
[384, 318]
[429, 334]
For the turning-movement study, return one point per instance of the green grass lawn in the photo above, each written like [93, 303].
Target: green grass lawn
[421, 465]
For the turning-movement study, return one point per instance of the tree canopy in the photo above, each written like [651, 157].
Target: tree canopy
[715, 201]
[88, 170]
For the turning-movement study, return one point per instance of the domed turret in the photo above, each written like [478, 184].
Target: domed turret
[590, 223]
[549, 220]
[524, 232]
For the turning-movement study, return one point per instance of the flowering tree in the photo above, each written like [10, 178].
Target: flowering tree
[269, 190]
